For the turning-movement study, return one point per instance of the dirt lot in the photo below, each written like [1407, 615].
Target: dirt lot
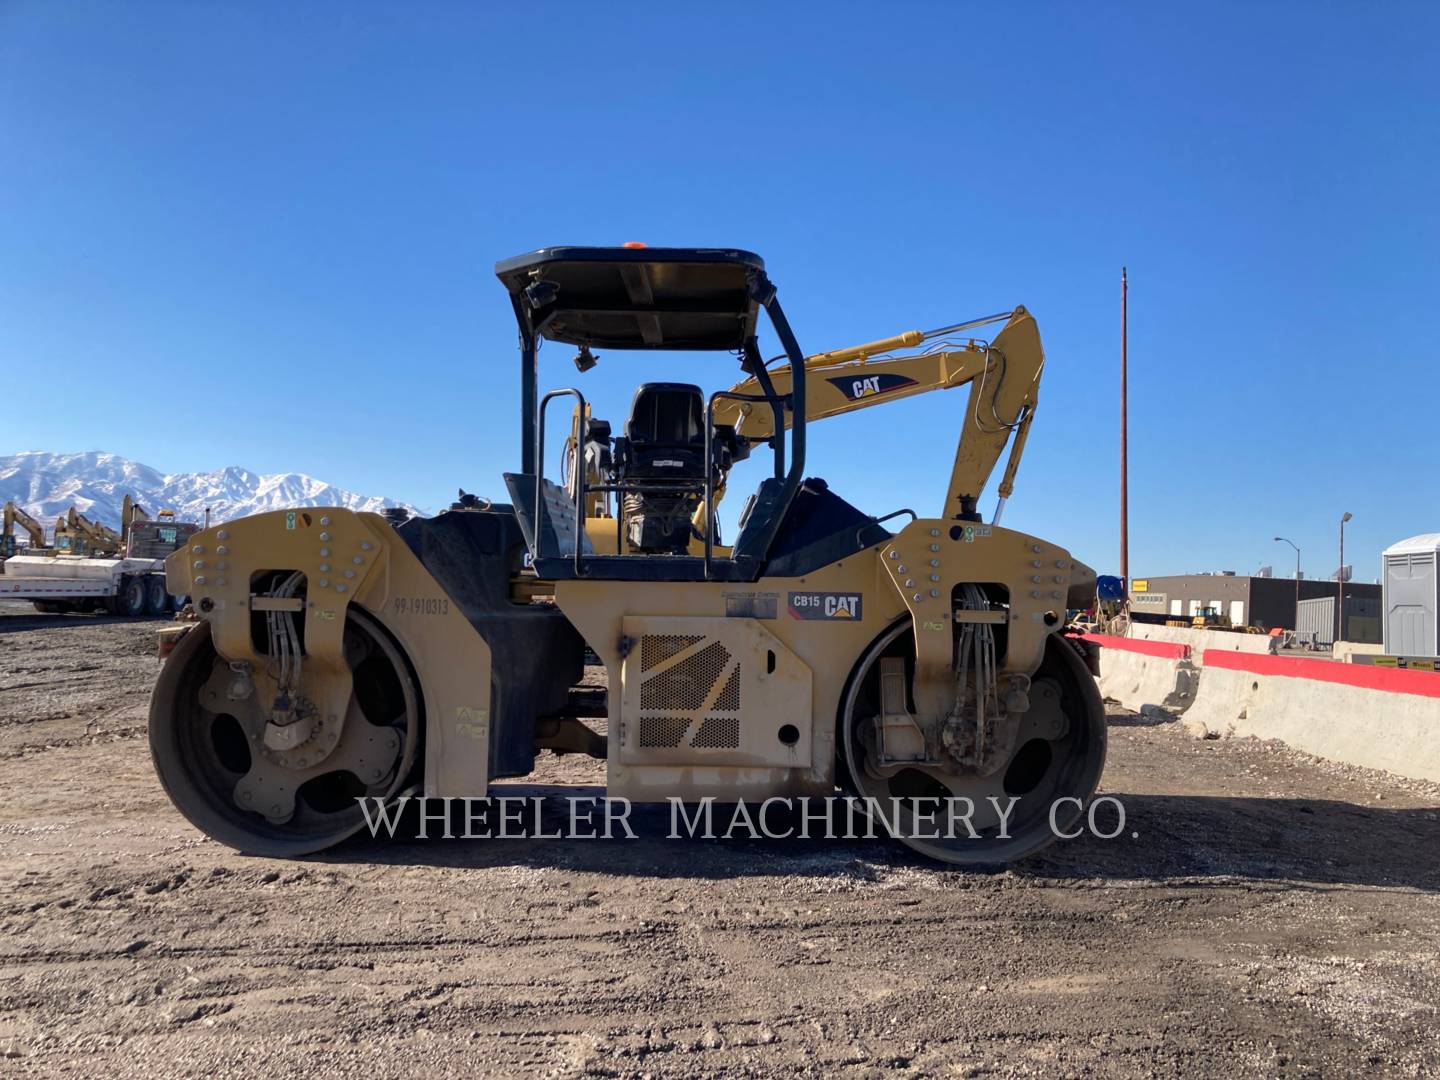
[1274, 915]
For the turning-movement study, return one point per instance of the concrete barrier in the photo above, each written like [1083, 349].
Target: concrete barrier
[1346, 651]
[1200, 641]
[1137, 672]
[1379, 718]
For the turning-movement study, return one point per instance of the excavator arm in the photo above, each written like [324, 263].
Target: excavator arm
[131, 513]
[1004, 379]
[594, 459]
[14, 514]
[100, 539]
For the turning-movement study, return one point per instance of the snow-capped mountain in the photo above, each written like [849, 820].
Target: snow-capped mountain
[46, 485]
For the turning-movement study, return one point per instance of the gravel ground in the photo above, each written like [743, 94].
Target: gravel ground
[1263, 913]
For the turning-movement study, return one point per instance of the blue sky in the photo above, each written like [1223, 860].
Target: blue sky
[263, 234]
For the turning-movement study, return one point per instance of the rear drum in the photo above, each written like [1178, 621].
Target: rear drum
[1042, 769]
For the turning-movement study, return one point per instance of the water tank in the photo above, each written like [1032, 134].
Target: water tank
[1410, 595]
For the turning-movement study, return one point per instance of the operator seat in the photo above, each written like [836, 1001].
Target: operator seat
[663, 453]
[666, 430]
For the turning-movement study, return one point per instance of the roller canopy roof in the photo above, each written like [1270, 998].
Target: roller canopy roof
[634, 298]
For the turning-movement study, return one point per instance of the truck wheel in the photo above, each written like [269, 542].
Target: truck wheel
[157, 600]
[130, 600]
[211, 758]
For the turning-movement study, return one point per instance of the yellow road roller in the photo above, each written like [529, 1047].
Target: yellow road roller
[910, 662]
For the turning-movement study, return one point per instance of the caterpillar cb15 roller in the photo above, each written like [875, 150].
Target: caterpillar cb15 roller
[908, 659]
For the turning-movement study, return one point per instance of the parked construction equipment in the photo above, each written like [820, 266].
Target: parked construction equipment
[91, 567]
[132, 513]
[14, 515]
[338, 656]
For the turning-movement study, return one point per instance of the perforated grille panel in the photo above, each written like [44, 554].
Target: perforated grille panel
[685, 685]
[729, 699]
[657, 648]
[718, 733]
[658, 731]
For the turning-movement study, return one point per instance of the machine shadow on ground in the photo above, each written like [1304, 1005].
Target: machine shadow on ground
[1220, 840]
[13, 624]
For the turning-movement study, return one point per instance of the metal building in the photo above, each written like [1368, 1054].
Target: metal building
[1266, 602]
[1411, 595]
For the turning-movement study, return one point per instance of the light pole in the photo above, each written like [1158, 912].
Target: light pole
[1124, 438]
[1340, 575]
[1297, 579]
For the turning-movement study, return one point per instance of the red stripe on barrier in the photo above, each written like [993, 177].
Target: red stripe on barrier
[1390, 680]
[1167, 650]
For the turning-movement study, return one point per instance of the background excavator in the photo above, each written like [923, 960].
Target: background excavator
[91, 567]
[132, 514]
[1004, 377]
[75, 534]
[14, 515]
[79, 535]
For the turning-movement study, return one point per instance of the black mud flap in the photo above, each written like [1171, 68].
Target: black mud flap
[536, 654]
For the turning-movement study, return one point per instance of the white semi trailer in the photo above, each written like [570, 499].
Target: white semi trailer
[130, 584]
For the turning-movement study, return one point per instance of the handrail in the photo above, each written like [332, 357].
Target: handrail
[764, 291]
[778, 443]
[567, 391]
[886, 517]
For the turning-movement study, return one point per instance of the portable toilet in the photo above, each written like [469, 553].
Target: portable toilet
[1410, 595]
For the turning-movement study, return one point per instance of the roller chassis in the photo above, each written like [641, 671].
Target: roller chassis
[796, 647]
[341, 659]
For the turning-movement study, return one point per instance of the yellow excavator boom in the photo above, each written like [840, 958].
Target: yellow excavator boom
[130, 513]
[1005, 385]
[14, 514]
[97, 539]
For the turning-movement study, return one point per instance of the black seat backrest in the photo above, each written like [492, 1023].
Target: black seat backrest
[667, 414]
